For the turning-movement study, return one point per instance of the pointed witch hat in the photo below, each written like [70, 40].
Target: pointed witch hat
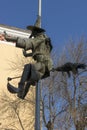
[36, 26]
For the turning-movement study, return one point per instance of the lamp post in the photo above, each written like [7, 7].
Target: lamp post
[38, 92]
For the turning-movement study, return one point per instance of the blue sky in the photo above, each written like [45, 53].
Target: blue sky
[62, 19]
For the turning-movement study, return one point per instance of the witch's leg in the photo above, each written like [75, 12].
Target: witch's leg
[24, 78]
[30, 76]
[26, 89]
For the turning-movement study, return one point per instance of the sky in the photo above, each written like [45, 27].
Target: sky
[62, 19]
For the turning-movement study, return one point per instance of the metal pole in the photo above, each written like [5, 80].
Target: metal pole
[37, 110]
[39, 10]
[37, 107]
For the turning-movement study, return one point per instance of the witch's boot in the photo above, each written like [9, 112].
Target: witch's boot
[26, 89]
[24, 79]
[12, 89]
